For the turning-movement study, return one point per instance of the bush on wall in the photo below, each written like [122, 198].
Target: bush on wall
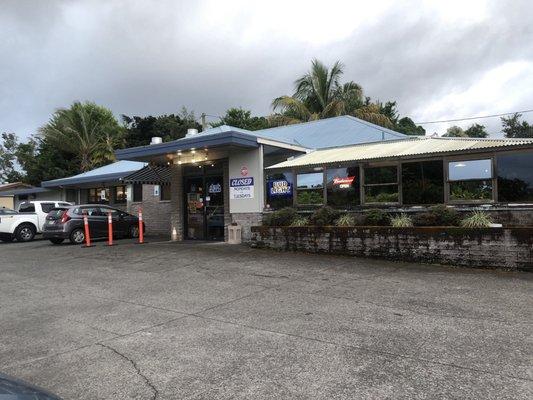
[283, 217]
[324, 216]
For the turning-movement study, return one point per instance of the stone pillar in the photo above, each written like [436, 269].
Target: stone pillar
[225, 186]
[176, 203]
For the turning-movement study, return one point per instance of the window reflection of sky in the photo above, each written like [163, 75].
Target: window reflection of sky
[475, 169]
[313, 180]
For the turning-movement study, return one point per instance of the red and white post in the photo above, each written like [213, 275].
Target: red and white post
[141, 226]
[109, 229]
[87, 232]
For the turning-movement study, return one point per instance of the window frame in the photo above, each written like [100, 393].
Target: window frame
[496, 171]
[161, 191]
[97, 193]
[137, 199]
[470, 157]
[357, 200]
[312, 170]
[364, 185]
[115, 194]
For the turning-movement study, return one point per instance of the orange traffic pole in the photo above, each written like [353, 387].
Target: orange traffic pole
[141, 227]
[87, 233]
[109, 230]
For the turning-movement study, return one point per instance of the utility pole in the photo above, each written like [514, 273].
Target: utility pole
[204, 124]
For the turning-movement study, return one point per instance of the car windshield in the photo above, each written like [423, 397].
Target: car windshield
[56, 213]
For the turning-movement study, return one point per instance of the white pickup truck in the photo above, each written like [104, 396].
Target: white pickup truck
[25, 223]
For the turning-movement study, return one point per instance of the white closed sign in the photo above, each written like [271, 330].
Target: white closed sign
[241, 188]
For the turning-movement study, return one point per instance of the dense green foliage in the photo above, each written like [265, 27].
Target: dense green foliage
[140, 130]
[8, 148]
[324, 216]
[375, 216]
[241, 118]
[283, 217]
[438, 215]
[474, 131]
[401, 221]
[514, 128]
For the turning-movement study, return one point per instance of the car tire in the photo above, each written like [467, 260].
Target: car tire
[25, 232]
[134, 231]
[77, 236]
[56, 240]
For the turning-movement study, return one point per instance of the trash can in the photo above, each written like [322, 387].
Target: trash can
[234, 234]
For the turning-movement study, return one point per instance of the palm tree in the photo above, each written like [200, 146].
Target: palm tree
[319, 94]
[85, 130]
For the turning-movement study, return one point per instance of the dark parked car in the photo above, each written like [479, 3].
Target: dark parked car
[67, 223]
[15, 389]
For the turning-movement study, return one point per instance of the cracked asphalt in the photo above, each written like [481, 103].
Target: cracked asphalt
[213, 321]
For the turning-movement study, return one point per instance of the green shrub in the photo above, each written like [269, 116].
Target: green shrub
[345, 220]
[446, 216]
[300, 221]
[425, 219]
[401, 221]
[376, 216]
[477, 219]
[324, 216]
[283, 217]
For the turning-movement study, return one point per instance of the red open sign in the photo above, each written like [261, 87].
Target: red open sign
[346, 181]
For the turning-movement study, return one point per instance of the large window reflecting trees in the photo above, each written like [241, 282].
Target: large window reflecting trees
[310, 188]
[381, 184]
[470, 180]
[342, 186]
[423, 182]
[515, 177]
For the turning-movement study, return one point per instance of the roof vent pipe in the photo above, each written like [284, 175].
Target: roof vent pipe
[156, 140]
[191, 132]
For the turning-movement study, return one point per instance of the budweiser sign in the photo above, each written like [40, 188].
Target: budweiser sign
[343, 182]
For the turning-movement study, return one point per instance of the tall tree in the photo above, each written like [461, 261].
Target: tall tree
[512, 127]
[42, 161]
[241, 118]
[139, 130]
[454, 131]
[8, 148]
[476, 131]
[406, 126]
[86, 131]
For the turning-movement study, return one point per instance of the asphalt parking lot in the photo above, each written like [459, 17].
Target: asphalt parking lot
[213, 321]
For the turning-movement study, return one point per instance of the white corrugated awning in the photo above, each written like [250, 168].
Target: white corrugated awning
[405, 148]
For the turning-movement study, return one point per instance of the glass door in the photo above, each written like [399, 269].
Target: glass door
[204, 207]
[194, 203]
[214, 208]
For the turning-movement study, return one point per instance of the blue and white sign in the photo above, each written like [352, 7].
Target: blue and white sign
[280, 188]
[241, 188]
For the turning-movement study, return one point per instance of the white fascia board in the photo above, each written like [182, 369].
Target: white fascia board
[282, 145]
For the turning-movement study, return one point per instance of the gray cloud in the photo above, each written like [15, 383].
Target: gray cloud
[141, 57]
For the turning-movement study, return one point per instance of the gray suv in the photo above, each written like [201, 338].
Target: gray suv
[67, 223]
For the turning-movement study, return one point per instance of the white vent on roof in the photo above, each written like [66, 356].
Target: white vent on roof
[156, 140]
[191, 132]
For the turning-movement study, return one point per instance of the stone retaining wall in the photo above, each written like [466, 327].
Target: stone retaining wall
[508, 248]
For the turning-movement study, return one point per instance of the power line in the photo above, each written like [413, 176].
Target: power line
[470, 118]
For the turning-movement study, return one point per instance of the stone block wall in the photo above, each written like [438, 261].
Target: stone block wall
[247, 220]
[156, 213]
[507, 248]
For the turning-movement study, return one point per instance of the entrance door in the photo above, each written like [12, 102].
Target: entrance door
[204, 208]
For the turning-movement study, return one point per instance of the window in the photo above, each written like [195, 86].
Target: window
[90, 211]
[342, 185]
[7, 211]
[71, 195]
[99, 195]
[46, 207]
[310, 188]
[279, 190]
[137, 192]
[27, 208]
[470, 180]
[164, 192]
[381, 184]
[423, 182]
[121, 194]
[515, 177]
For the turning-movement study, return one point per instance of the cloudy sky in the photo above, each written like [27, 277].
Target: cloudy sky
[439, 60]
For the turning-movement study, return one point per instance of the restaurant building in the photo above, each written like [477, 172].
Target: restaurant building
[229, 175]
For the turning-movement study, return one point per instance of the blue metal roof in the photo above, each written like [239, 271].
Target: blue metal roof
[200, 140]
[338, 131]
[332, 132]
[107, 173]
